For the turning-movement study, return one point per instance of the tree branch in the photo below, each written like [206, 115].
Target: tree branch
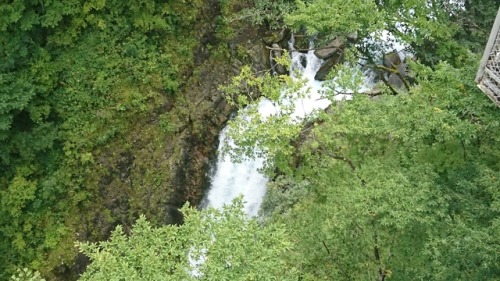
[327, 250]
[376, 253]
[349, 163]
[394, 71]
[300, 50]
[394, 92]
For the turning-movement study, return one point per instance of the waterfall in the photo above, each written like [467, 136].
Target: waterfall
[233, 179]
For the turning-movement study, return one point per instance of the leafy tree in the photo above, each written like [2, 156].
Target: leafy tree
[74, 75]
[398, 186]
[269, 132]
[26, 275]
[402, 186]
[210, 245]
[265, 12]
[427, 27]
[475, 21]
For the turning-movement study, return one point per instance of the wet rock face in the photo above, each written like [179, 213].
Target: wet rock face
[332, 54]
[334, 47]
[144, 172]
[277, 52]
[327, 66]
[392, 59]
[396, 80]
[396, 70]
[273, 36]
[275, 41]
[208, 111]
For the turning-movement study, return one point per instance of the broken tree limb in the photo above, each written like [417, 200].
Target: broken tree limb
[396, 72]
[299, 50]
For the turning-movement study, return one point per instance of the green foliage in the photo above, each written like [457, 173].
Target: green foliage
[265, 12]
[282, 194]
[209, 245]
[253, 129]
[74, 76]
[26, 275]
[427, 27]
[338, 17]
[399, 187]
[476, 21]
[403, 186]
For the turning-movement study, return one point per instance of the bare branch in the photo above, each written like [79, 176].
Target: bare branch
[300, 50]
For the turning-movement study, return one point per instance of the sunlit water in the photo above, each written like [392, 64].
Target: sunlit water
[232, 179]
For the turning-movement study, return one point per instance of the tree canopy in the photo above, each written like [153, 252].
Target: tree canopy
[210, 245]
[399, 186]
[403, 185]
[74, 76]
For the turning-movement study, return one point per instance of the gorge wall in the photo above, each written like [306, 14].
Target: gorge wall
[147, 171]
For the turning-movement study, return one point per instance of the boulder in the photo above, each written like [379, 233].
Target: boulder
[256, 54]
[276, 52]
[331, 49]
[392, 59]
[273, 36]
[395, 80]
[353, 36]
[303, 61]
[327, 66]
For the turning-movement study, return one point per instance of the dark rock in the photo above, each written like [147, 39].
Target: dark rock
[208, 38]
[303, 61]
[392, 59]
[173, 215]
[325, 68]
[375, 91]
[353, 36]
[396, 70]
[273, 36]
[276, 52]
[331, 49]
[395, 79]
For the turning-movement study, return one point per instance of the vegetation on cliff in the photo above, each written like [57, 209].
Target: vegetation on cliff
[76, 78]
[216, 240]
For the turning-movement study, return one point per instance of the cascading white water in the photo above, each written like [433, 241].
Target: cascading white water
[233, 179]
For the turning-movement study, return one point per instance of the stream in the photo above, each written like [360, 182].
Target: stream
[232, 179]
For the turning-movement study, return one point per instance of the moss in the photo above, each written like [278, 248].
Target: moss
[144, 148]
